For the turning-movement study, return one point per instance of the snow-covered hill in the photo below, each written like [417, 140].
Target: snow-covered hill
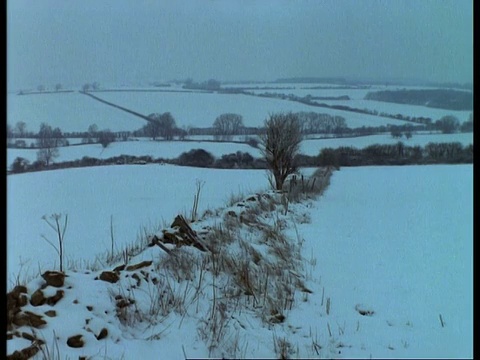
[379, 266]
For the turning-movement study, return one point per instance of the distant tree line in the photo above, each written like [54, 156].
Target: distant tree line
[209, 85]
[391, 154]
[41, 89]
[90, 86]
[435, 98]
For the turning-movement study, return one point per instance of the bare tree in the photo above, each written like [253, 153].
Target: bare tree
[91, 136]
[467, 126]
[167, 126]
[46, 142]
[161, 125]
[280, 143]
[152, 129]
[448, 124]
[58, 138]
[106, 137]
[59, 229]
[9, 130]
[227, 125]
[20, 129]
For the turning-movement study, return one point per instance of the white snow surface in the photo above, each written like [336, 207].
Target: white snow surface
[137, 196]
[70, 112]
[201, 109]
[395, 243]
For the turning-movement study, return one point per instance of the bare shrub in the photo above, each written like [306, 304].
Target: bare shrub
[235, 198]
[299, 188]
[215, 326]
[221, 235]
[54, 222]
[196, 198]
[280, 144]
[283, 348]
[181, 264]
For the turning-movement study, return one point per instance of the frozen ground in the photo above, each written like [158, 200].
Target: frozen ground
[70, 112]
[397, 241]
[201, 109]
[390, 249]
[137, 196]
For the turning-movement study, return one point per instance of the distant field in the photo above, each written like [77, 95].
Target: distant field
[306, 89]
[357, 100]
[201, 109]
[406, 110]
[313, 147]
[75, 112]
[70, 112]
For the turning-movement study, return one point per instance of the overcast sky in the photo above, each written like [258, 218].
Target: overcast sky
[126, 41]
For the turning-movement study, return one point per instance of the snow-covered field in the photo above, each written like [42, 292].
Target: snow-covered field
[398, 241]
[156, 149]
[136, 196]
[393, 243]
[406, 110]
[75, 112]
[357, 101]
[201, 109]
[70, 112]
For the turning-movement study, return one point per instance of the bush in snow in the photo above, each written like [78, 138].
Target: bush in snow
[19, 165]
[196, 157]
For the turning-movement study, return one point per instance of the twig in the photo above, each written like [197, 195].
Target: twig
[112, 238]
[156, 241]
[441, 320]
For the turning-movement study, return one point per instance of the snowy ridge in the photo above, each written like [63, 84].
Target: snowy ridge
[199, 303]
[379, 267]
